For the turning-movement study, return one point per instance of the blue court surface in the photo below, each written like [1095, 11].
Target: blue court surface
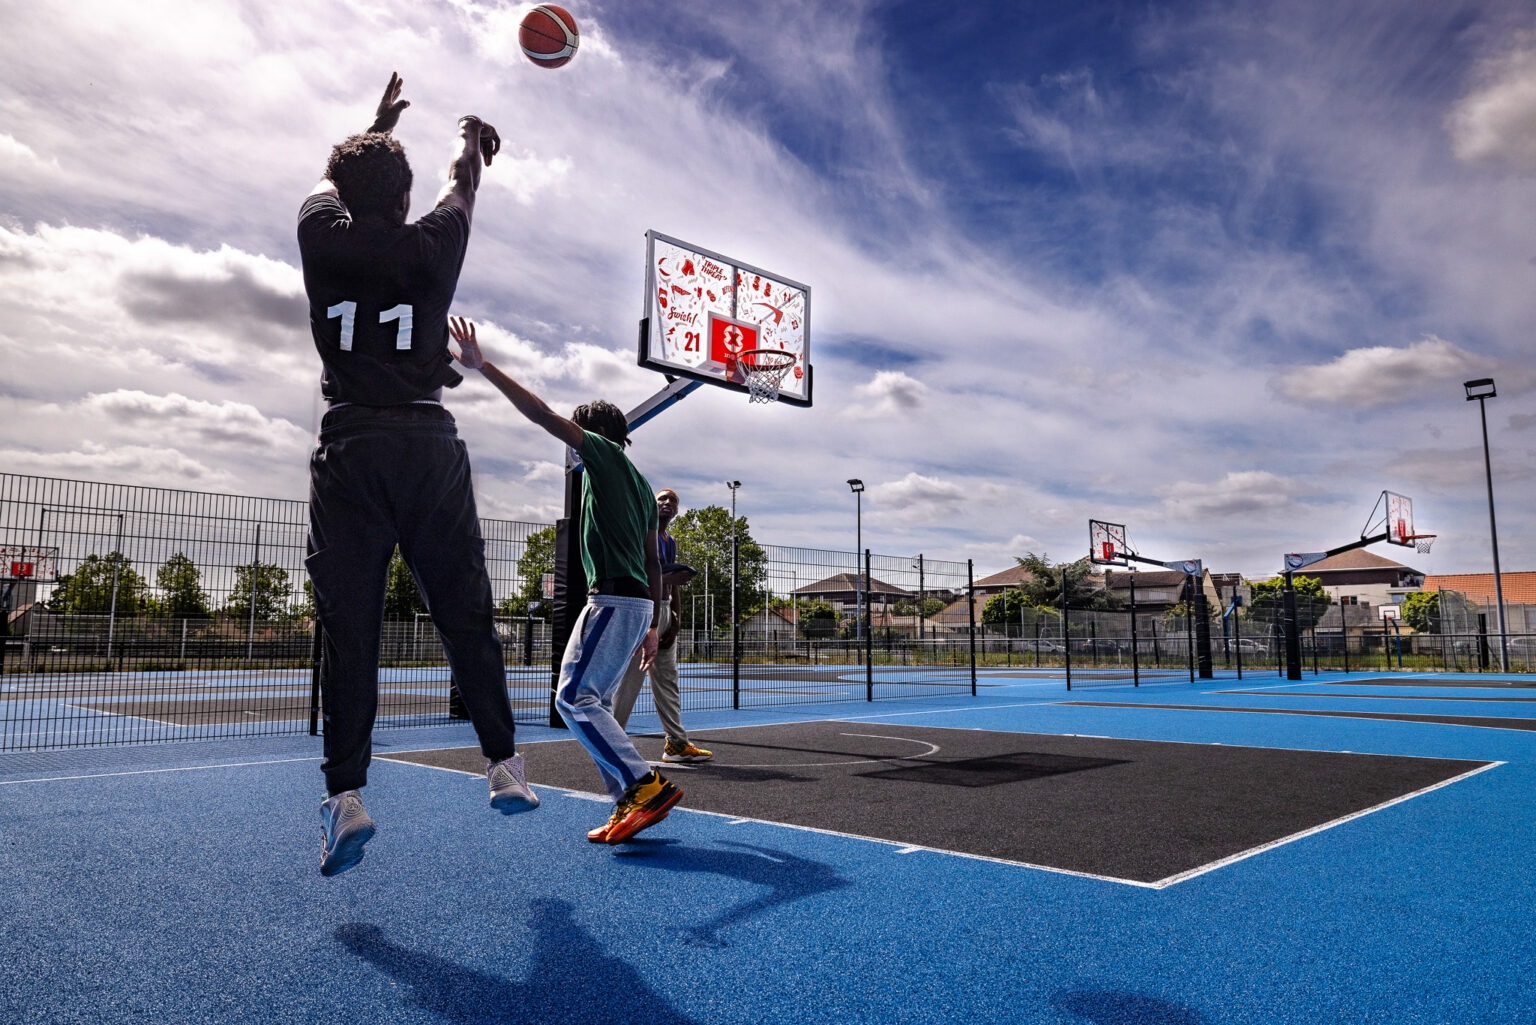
[179, 882]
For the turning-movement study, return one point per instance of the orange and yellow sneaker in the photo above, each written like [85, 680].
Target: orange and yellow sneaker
[600, 834]
[644, 804]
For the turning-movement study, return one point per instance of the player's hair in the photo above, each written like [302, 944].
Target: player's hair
[370, 173]
[603, 418]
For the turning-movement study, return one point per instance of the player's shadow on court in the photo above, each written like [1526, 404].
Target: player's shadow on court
[568, 974]
[786, 877]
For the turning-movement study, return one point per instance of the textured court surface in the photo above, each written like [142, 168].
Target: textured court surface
[1125, 809]
[175, 883]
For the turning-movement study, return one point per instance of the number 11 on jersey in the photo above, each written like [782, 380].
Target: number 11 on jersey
[347, 311]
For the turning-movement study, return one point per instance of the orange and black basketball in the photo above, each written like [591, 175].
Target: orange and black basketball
[548, 36]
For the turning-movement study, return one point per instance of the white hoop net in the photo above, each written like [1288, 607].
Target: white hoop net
[1424, 544]
[764, 369]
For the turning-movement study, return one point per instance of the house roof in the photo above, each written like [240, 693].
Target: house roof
[1519, 588]
[849, 582]
[1013, 576]
[1357, 559]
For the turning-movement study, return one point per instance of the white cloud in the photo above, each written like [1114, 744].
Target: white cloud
[225, 423]
[1380, 375]
[1242, 494]
[1496, 122]
[890, 393]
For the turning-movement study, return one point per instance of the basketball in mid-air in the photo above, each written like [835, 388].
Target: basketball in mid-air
[548, 36]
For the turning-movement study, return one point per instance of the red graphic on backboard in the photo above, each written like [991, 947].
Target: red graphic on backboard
[1108, 551]
[728, 339]
[21, 569]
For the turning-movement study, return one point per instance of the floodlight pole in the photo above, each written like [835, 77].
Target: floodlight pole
[857, 487]
[1482, 391]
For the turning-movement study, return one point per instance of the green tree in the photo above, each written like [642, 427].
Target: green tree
[181, 591]
[538, 558]
[1421, 611]
[908, 607]
[270, 591]
[817, 619]
[1003, 609]
[1043, 588]
[1268, 602]
[89, 587]
[402, 598]
[704, 542]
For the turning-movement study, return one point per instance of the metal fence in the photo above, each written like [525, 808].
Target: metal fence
[182, 615]
[187, 615]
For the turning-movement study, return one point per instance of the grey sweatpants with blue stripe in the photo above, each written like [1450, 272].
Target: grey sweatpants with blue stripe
[604, 638]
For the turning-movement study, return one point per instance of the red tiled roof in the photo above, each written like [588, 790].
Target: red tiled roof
[1519, 588]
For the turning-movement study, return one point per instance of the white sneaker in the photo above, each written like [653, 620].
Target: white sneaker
[344, 828]
[509, 788]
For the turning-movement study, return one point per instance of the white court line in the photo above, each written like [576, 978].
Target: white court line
[1251, 852]
[148, 772]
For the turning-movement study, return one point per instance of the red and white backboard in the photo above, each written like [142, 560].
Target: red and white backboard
[702, 309]
[1106, 543]
[29, 563]
[1399, 519]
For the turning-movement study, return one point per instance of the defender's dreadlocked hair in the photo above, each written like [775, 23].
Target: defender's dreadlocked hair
[370, 173]
[603, 418]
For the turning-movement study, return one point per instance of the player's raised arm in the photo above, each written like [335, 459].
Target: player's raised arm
[527, 403]
[477, 141]
[385, 117]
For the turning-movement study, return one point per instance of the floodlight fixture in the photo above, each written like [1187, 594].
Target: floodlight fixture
[1482, 388]
[855, 485]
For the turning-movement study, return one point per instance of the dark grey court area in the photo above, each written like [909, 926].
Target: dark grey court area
[1400, 681]
[1135, 810]
[1492, 722]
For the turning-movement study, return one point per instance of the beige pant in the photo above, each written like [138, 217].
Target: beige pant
[664, 690]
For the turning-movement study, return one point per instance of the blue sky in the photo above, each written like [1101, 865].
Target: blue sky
[1214, 270]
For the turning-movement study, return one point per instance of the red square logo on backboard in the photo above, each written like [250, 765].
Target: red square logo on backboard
[728, 339]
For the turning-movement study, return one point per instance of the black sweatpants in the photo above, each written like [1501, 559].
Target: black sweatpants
[383, 476]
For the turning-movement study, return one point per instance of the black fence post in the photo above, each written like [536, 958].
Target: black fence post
[869, 636]
[970, 607]
[1135, 655]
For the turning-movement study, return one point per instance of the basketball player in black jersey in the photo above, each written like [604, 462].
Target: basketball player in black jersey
[389, 467]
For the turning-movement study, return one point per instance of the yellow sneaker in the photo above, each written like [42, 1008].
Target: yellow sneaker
[683, 751]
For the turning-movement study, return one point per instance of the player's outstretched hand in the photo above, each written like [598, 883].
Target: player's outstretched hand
[388, 114]
[463, 331]
[490, 142]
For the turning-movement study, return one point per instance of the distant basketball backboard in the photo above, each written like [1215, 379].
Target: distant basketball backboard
[1106, 543]
[32, 563]
[1399, 519]
[703, 311]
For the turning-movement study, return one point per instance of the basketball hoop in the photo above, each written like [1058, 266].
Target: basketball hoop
[1423, 542]
[764, 369]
